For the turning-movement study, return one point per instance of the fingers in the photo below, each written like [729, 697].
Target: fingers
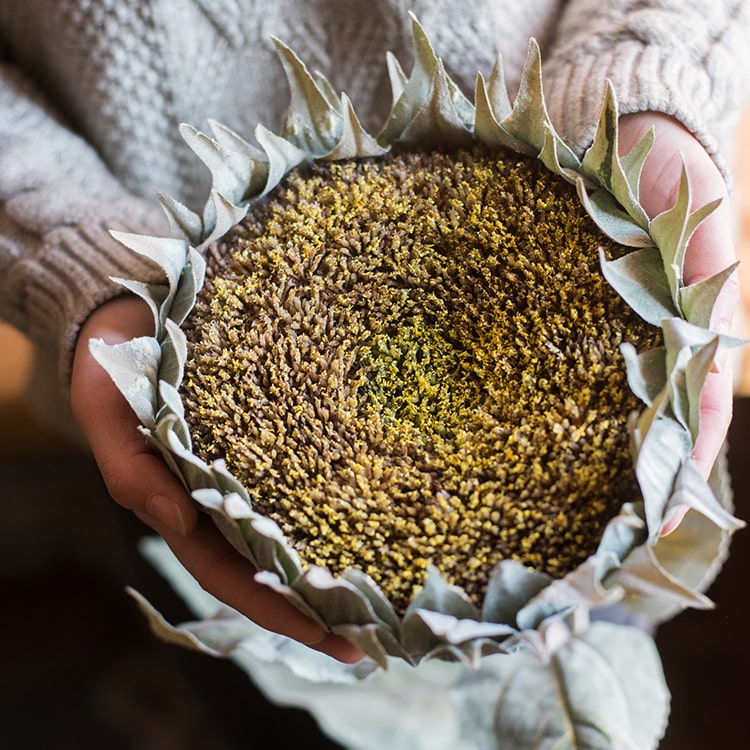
[139, 480]
[135, 477]
[711, 250]
[228, 576]
[712, 245]
[715, 416]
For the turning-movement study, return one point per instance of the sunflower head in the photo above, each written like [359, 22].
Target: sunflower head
[414, 361]
[440, 385]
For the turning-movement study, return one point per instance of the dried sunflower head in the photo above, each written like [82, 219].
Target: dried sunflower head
[440, 386]
[415, 361]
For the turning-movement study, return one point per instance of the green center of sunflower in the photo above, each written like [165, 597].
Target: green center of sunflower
[415, 360]
[417, 375]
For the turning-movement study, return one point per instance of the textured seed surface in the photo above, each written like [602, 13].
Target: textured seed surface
[415, 361]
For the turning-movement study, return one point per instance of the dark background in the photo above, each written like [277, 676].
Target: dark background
[81, 670]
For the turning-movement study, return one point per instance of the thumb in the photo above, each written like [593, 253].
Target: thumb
[135, 477]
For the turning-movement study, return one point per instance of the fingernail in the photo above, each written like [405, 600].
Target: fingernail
[725, 308]
[722, 326]
[166, 511]
[720, 361]
[317, 639]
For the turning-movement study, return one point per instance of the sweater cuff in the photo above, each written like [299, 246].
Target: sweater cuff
[575, 94]
[50, 293]
[655, 63]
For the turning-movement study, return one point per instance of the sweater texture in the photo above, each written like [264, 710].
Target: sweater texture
[92, 93]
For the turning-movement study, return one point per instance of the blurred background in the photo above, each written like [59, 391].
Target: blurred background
[80, 669]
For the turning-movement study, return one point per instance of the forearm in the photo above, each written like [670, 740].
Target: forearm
[57, 204]
[687, 60]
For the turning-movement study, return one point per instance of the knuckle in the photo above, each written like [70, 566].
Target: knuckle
[117, 486]
[731, 290]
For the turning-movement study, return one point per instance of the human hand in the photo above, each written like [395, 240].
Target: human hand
[138, 480]
[710, 250]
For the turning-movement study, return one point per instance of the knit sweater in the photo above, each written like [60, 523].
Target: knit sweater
[92, 92]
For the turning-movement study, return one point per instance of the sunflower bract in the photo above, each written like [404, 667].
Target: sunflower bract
[414, 360]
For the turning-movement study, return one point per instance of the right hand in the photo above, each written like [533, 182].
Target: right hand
[711, 249]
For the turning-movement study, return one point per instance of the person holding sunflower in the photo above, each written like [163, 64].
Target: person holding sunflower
[91, 97]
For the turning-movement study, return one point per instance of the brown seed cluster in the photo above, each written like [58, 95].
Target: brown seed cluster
[415, 360]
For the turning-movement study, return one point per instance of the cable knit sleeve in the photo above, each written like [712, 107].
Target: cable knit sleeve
[685, 58]
[57, 204]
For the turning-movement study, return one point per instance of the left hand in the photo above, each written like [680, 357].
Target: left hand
[711, 250]
[140, 481]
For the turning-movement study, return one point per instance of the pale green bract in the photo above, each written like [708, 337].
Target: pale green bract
[603, 688]
[597, 685]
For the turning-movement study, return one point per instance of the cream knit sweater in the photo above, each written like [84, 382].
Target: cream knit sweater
[92, 92]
